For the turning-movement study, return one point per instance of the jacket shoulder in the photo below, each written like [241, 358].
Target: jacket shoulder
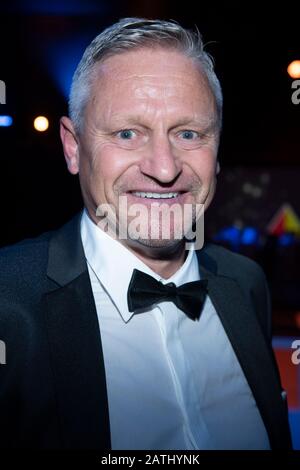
[232, 264]
[249, 276]
[24, 264]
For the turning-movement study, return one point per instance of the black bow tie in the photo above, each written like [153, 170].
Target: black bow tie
[144, 291]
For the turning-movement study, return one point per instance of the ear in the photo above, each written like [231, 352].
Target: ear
[218, 168]
[70, 144]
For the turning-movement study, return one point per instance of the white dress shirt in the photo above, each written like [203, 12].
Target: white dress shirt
[172, 383]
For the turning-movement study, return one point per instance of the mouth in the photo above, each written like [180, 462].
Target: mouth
[154, 195]
[159, 197]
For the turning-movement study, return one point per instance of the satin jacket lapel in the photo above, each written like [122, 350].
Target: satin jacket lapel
[248, 341]
[75, 344]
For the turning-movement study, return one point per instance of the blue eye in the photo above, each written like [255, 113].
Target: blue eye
[189, 135]
[126, 134]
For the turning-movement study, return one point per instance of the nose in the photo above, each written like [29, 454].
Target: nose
[161, 163]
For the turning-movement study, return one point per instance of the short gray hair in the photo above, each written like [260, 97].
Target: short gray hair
[130, 33]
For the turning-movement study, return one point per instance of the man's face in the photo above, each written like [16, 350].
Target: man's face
[150, 134]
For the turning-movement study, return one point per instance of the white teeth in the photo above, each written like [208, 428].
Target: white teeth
[155, 195]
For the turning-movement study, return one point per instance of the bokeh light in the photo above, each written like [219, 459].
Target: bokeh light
[41, 123]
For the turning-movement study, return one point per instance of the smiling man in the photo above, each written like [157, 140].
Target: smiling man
[133, 341]
[149, 134]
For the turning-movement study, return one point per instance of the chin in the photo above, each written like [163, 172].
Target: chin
[156, 248]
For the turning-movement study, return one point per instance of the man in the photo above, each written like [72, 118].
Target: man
[134, 342]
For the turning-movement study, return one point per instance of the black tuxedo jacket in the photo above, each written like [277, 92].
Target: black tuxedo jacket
[52, 388]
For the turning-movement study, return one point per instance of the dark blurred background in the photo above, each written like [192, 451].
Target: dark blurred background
[256, 210]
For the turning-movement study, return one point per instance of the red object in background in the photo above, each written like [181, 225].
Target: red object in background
[290, 374]
[284, 221]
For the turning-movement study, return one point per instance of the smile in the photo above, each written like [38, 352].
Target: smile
[155, 195]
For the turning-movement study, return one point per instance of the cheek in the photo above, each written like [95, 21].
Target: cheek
[112, 165]
[205, 167]
[106, 168]
[211, 192]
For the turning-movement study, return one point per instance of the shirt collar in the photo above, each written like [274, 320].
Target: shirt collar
[113, 264]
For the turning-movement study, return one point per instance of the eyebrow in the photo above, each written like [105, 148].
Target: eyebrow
[208, 125]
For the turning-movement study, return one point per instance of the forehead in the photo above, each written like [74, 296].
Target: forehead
[160, 60]
[147, 76]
